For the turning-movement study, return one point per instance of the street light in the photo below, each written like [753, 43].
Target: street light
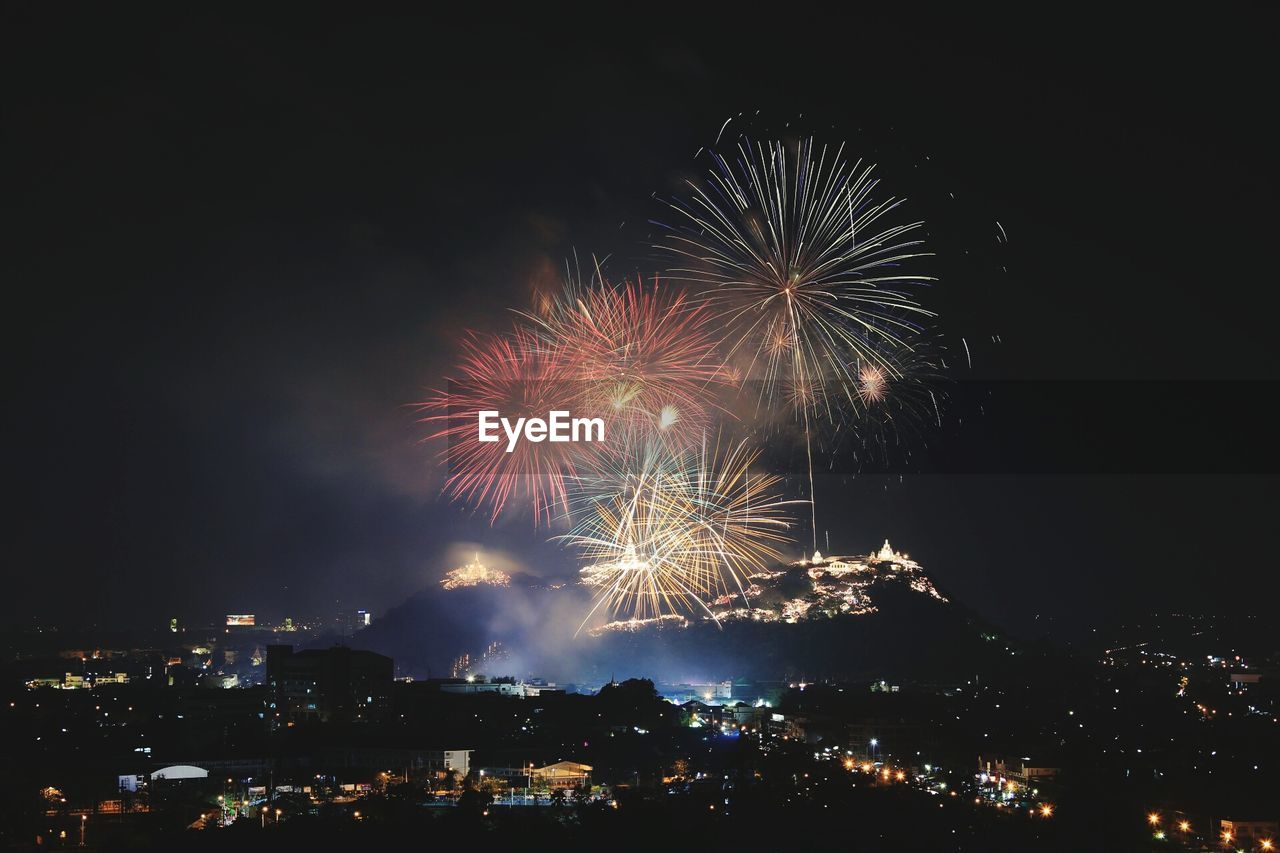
[1153, 819]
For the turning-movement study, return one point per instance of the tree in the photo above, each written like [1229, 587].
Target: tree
[473, 803]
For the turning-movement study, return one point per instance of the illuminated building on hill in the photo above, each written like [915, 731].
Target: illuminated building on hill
[475, 573]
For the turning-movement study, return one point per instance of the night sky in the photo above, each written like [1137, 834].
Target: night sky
[237, 247]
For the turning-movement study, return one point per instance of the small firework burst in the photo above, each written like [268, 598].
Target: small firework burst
[871, 383]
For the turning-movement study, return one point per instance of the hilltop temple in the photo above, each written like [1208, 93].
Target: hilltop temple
[475, 573]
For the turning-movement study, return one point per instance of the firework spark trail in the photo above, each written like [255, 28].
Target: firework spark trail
[791, 250]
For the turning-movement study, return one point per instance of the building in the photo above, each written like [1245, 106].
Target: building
[1020, 769]
[172, 773]
[336, 684]
[475, 573]
[499, 686]
[74, 681]
[406, 763]
[563, 774]
[741, 714]
[1249, 834]
[348, 622]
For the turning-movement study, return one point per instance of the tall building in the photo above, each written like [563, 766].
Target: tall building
[351, 621]
[337, 684]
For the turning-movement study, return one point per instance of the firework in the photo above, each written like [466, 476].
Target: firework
[680, 531]
[899, 394]
[797, 258]
[645, 360]
[872, 383]
[799, 296]
[791, 250]
[520, 375]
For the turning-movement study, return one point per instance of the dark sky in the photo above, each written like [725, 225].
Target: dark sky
[237, 246]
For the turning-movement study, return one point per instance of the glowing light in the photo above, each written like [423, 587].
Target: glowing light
[679, 532]
[475, 573]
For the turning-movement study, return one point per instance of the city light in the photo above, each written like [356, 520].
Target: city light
[1153, 819]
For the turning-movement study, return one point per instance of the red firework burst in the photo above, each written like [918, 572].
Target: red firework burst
[519, 375]
[645, 360]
